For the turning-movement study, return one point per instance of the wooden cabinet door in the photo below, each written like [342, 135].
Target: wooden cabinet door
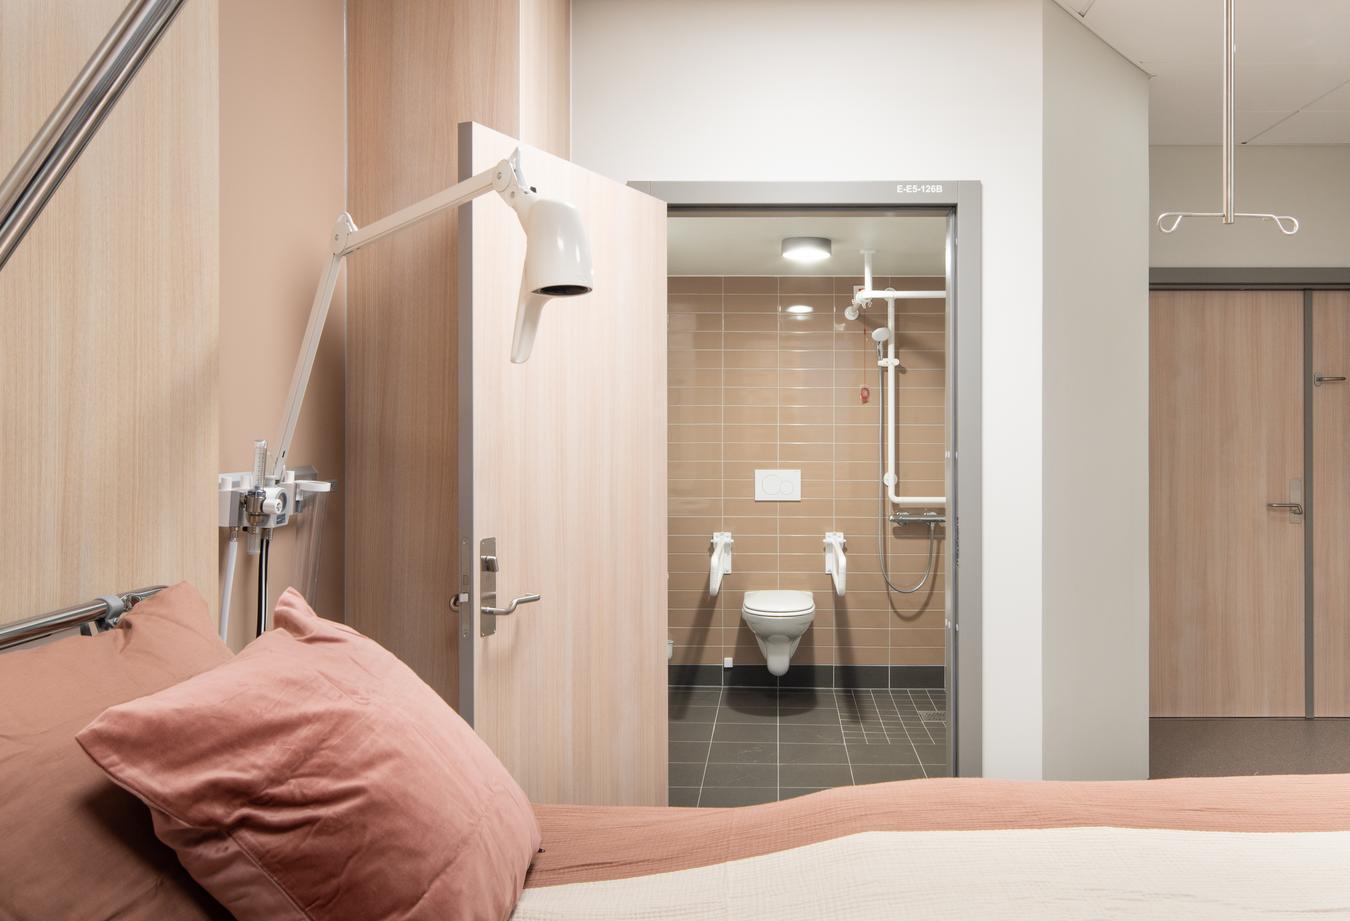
[567, 459]
[1226, 439]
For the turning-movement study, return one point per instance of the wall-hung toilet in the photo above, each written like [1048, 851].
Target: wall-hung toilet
[778, 618]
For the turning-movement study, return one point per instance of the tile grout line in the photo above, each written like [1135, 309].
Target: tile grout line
[884, 733]
[778, 741]
[848, 759]
[923, 767]
[708, 757]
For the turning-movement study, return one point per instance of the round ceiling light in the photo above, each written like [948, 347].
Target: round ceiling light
[799, 308]
[806, 249]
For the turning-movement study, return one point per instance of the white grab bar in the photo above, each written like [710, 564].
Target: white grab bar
[836, 561]
[720, 563]
[891, 479]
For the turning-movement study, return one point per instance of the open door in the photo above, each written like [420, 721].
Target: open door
[563, 486]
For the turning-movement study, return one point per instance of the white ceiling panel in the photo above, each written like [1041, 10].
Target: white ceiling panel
[1292, 55]
[1312, 126]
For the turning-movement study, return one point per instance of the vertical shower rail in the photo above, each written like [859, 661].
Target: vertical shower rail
[78, 116]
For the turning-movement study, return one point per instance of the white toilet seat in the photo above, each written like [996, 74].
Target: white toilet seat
[779, 603]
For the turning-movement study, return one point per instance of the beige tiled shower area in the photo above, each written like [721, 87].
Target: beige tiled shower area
[754, 386]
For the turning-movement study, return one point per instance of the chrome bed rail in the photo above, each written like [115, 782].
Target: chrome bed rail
[77, 117]
[102, 613]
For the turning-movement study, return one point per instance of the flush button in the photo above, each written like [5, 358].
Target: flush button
[778, 485]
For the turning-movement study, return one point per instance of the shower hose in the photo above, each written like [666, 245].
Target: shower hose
[881, 509]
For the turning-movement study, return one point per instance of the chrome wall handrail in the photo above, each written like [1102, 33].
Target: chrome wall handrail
[78, 116]
[104, 611]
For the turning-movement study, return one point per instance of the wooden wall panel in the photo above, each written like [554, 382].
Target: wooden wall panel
[1331, 505]
[569, 473]
[1226, 436]
[546, 75]
[108, 320]
[416, 69]
[283, 156]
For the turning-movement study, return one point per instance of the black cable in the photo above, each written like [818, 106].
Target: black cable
[262, 584]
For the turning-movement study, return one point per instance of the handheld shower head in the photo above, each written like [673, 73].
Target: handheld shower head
[881, 334]
[557, 263]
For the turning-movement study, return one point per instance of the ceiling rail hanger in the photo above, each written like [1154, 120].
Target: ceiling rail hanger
[1169, 221]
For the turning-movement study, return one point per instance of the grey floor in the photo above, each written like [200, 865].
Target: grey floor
[741, 746]
[1232, 747]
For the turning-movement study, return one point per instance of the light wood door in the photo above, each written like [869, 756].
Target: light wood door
[568, 475]
[1226, 437]
[1331, 509]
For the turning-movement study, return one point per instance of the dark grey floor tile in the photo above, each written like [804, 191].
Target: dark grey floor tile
[882, 754]
[688, 752]
[811, 753]
[686, 775]
[814, 775]
[806, 697]
[695, 697]
[737, 796]
[744, 732]
[690, 732]
[733, 714]
[741, 775]
[931, 754]
[881, 773]
[793, 792]
[744, 752]
[693, 714]
[683, 796]
[798, 732]
[819, 715]
[750, 697]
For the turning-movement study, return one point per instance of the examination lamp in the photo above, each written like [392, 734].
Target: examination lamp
[557, 264]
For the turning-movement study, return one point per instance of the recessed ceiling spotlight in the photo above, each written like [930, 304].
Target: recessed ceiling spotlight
[799, 308]
[806, 249]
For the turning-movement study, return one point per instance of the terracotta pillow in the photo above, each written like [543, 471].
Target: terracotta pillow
[315, 776]
[73, 844]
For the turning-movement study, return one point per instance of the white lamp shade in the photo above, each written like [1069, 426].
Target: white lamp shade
[557, 264]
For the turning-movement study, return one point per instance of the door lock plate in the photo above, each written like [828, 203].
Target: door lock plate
[487, 585]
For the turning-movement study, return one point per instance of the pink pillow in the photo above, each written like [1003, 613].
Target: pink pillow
[73, 845]
[315, 776]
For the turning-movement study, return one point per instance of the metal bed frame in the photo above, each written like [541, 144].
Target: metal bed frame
[103, 613]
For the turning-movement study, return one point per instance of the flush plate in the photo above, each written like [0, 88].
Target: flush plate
[778, 486]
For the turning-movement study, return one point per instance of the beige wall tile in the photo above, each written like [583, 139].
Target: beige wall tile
[750, 284]
[752, 387]
[694, 284]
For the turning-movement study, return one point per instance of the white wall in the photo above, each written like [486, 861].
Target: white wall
[925, 89]
[1311, 183]
[1096, 407]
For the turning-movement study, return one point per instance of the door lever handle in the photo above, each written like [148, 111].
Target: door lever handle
[1294, 507]
[1320, 379]
[516, 602]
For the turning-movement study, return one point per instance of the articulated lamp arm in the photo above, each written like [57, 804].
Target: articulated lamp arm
[504, 178]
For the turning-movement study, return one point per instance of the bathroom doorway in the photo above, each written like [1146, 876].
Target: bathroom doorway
[814, 407]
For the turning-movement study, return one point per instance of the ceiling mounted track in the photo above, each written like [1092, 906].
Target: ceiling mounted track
[1169, 221]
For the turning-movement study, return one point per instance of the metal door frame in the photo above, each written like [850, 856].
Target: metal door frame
[962, 201]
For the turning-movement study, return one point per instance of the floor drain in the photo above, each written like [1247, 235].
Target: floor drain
[933, 716]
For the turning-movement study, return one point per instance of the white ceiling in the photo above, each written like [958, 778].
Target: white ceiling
[1291, 72]
[752, 245]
